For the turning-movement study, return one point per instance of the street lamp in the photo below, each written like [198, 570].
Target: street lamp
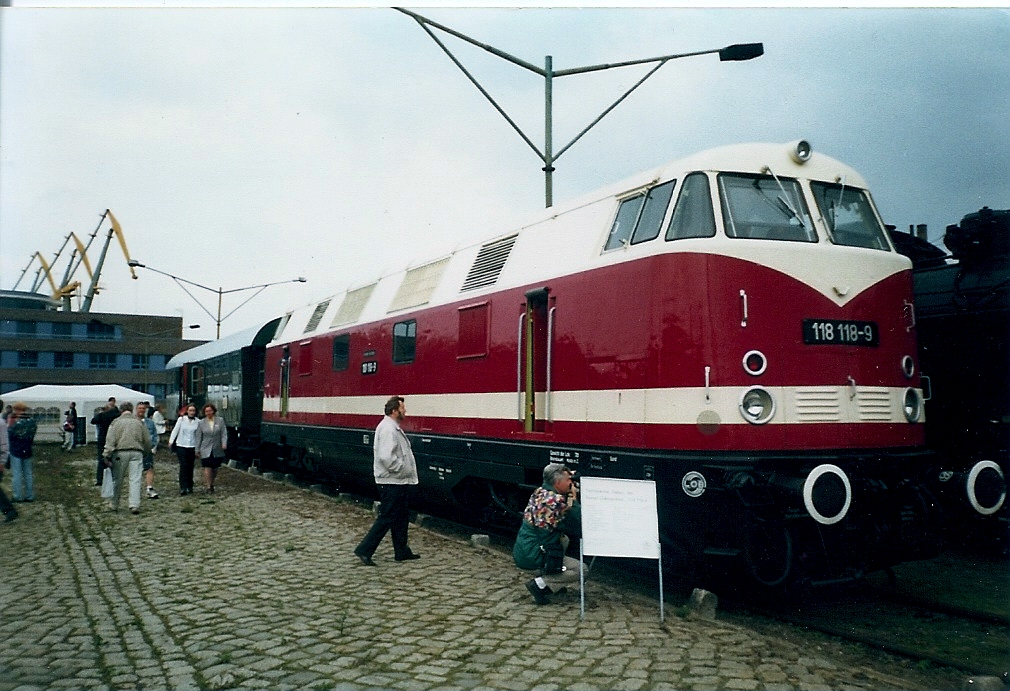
[220, 291]
[734, 53]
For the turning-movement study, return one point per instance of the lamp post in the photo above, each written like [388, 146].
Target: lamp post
[733, 53]
[221, 292]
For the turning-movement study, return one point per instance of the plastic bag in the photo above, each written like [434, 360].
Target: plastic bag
[108, 485]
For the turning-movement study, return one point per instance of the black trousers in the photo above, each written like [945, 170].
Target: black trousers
[5, 504]
[100, 468]
[394, 516]
[187, 459]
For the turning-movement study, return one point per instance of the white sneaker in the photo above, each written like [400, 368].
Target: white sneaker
[151, 494]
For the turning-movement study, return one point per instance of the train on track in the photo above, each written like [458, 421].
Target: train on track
[962, 302]
[735, 326]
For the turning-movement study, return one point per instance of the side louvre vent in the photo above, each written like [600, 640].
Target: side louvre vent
[352, 306]
[489, 262]
[317, 316]
[418, 285]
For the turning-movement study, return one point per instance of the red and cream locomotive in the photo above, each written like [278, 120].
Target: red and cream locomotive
[735, 325]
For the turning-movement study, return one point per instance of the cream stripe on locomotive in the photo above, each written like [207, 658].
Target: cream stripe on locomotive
[673, 406]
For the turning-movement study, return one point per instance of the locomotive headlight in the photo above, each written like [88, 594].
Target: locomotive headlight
[757, 406]
[912, 405]
[800, 151]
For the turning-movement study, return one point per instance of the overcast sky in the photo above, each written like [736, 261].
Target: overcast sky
[250, 145]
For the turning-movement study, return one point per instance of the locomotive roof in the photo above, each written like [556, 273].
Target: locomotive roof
[557, 241]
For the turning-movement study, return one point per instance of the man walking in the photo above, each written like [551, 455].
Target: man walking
[395, 475]
[125, 446]
[102, 421]
[9, 512]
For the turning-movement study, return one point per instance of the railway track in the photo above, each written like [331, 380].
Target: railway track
[918, 628]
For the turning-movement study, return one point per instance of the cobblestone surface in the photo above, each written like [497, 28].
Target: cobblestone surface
[256, 587]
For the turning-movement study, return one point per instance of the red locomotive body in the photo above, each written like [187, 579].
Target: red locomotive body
[735, 325]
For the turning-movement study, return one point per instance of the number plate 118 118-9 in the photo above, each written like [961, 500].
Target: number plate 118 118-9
[840, 332]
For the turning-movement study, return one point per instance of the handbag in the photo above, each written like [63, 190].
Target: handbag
[554, 557]
[108, 485]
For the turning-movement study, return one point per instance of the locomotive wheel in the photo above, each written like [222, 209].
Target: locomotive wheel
[768, 552]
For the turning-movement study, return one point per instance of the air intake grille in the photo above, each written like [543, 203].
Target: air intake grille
[818, 405]
[874, 403]
[417, 286]
[352, 306]
[317, 316]
[489, 263]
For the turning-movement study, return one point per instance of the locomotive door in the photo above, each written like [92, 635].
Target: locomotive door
[533, 366]
[285, 380]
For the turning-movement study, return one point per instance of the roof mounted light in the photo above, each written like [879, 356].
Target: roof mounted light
[800, 151]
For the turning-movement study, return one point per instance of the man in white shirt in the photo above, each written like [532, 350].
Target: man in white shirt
[395, 477]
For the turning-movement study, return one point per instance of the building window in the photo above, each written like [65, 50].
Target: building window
[98, 331]
[101, 361]
[62, 329]
[24, 328]
[141, 362]
[341, 353]
[28, 358]
[63, 360]
[404, 341]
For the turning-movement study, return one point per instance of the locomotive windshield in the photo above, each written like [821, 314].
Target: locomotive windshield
[765, 208]
[849, 216]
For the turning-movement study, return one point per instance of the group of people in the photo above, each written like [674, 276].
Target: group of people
[127, 441]
[552, 517]
[17, 435]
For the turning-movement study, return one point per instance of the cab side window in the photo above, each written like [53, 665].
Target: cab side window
[639, 217]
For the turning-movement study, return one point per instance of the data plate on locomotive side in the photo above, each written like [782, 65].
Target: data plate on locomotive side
[840, 332]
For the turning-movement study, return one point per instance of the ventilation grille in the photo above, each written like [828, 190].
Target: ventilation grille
[418, 285]
[818, 405]
[352, 306]
[317, 316]
[874, 403]
[489, 263]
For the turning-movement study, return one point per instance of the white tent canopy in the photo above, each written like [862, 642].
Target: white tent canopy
[48, 402]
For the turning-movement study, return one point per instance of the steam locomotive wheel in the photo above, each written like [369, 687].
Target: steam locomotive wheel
[769, 552]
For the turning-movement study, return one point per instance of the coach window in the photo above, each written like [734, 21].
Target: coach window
[404, 341]
[765, 208]
[849, 216]
[341, 352]
[693, 217]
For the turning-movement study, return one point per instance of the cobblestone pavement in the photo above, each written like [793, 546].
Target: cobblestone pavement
[255, 587]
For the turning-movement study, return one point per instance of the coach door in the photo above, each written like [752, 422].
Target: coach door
[533, 366]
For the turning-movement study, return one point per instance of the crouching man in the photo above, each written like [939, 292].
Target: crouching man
[551, 517]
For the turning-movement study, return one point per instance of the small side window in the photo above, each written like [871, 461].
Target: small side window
[639, 218]
[693, 217]
[651, 219]
[404, 341]
[341, 352]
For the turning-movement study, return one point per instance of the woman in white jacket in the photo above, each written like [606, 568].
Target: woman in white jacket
[183, 442]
